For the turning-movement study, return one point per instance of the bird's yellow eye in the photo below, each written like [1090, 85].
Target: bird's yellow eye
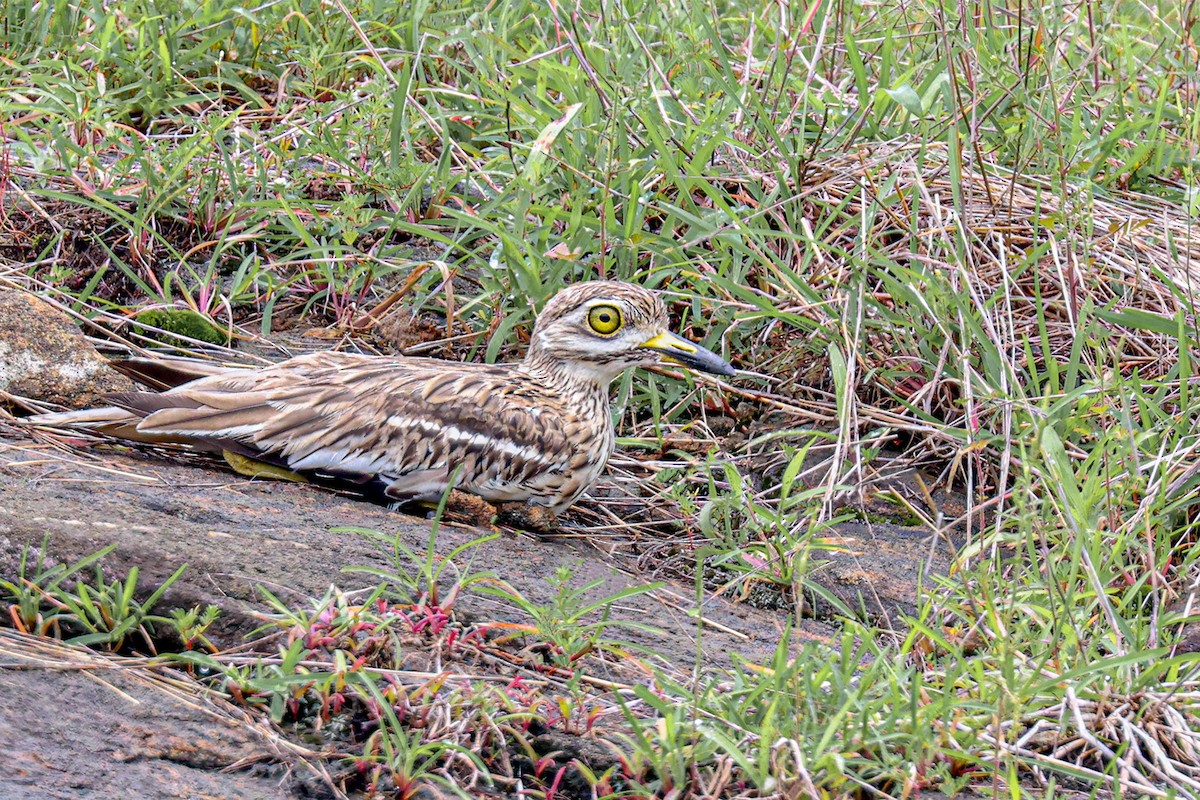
[605, 320]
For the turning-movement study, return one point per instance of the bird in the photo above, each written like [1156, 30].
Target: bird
[537, 431]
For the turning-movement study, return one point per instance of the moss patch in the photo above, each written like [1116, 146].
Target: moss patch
[181, 322]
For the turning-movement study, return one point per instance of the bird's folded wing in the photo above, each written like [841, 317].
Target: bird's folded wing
[357, 416]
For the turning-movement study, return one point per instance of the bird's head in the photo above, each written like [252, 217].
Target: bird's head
[600, 328]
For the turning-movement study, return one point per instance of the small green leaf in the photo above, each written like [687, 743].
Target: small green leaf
[907, 97]
[1141, 320]
[545, 141]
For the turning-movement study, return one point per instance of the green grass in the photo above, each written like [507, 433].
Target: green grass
[970, 236]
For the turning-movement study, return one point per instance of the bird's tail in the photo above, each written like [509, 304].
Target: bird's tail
[167, 373]
[109, 421]
[95, 418]
[160, 373]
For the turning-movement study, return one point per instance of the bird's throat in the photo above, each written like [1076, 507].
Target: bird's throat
[573, 377]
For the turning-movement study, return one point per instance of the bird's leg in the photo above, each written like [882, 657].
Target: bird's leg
[526, 517]
[253, 468]
[472, 510]
[469, 509]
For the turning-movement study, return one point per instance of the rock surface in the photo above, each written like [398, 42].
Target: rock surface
[875, 569]
[44, 356]
[121, 733]
[235, 535]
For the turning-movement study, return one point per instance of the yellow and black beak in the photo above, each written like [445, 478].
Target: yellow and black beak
[689, 354]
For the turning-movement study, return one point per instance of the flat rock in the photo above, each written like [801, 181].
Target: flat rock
[44, 356]
[120, 733]
[77, 737]
[878, 569]
[237, 534]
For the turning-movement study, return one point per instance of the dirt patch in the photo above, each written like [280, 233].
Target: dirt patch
[84, 241]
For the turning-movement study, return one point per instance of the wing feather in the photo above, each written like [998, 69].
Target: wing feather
[166, 373]
[405, 421]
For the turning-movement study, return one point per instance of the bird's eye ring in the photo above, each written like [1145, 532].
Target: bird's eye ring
[604, 320]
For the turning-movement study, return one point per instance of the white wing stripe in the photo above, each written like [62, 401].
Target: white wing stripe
[490, 444]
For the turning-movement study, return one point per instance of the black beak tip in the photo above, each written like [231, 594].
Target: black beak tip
[704, 361]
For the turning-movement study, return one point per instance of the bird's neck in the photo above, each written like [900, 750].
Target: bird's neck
[571, 377]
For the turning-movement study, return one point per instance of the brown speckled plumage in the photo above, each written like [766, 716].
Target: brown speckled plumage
[538, 430]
